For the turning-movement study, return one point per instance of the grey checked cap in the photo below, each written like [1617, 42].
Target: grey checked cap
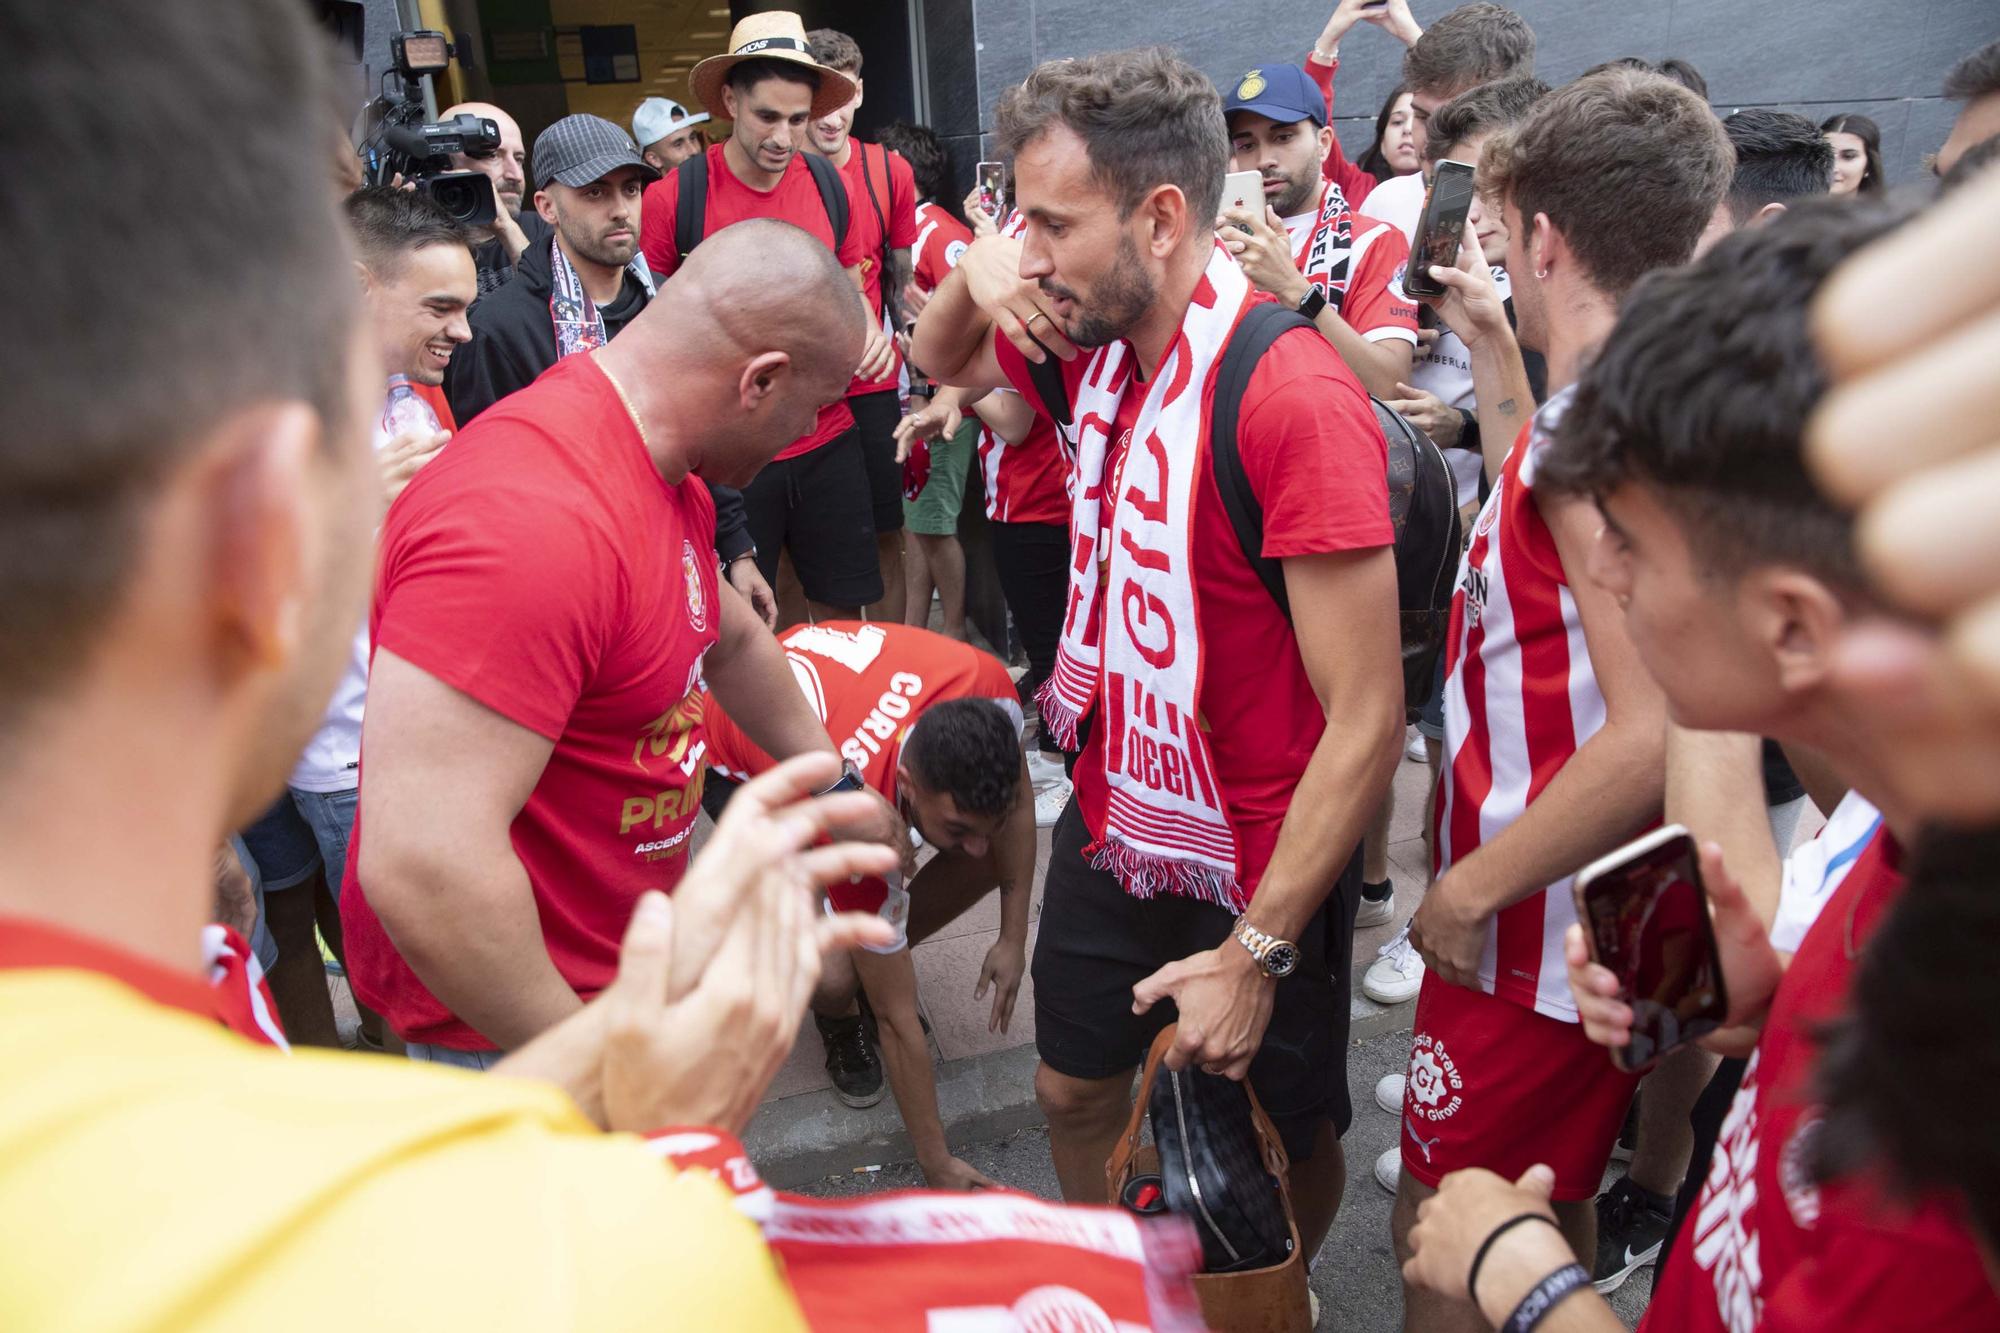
[579, 149]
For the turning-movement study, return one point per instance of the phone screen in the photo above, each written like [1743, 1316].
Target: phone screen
[1647, 916]
[1440, 227]
[992, 189]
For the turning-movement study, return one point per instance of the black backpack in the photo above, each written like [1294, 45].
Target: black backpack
[1423, 497]
[691, 216]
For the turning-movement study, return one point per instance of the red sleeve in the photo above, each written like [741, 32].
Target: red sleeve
[1376, 306]
[902, 203]
[1313, 452]
[659, 209]
[1015, 367]
[1352, 180]
[1916, 1279]
[520, 636]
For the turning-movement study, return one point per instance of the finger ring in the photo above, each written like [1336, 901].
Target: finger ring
[1039, 314]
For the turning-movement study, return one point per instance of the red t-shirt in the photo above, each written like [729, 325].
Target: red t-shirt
[868, 683]
[1766, 1248]
[545, 568]
[882, 193]
[1316, 460]
[941, 239]
[1026, 482]
[795, 200]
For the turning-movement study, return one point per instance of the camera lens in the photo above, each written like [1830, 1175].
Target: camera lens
[458, 197]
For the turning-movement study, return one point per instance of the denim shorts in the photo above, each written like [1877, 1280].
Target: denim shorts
[445, 1055]
[302, 831]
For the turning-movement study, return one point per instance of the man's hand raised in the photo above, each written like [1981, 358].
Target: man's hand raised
[992, 269]
[1258, 239]
[1471, 306]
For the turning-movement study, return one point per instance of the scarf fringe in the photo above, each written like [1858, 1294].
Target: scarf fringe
[1149, 875]
[1063, 722]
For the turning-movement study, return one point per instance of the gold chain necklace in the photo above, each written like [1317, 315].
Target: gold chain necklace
[630, 410]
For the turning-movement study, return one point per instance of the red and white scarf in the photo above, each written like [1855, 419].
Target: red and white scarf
[1136, 658]
[1328, 248]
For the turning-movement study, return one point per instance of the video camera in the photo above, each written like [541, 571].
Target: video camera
[399, 142]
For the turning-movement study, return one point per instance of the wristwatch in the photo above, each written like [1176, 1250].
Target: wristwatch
[1312, 303]
[849, 780]
[1277, 957]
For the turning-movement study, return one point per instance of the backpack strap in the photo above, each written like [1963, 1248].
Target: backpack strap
[1262, 324]
[691, 212]
[881, 218]
[832, 193]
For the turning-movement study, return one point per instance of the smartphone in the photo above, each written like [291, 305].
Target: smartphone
[1645, 914]
[993, 189]
[1439, 228]
[1243, 189]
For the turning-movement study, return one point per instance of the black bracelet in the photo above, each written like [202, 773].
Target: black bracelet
[1546, 1296]
[1479, 1256]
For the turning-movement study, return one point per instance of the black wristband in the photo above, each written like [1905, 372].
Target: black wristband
[1547, 1295]
[1479, 1255]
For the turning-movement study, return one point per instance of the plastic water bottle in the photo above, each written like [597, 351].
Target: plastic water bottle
[404, 411]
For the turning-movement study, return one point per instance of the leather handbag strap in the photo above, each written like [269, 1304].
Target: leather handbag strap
[1270, 1145]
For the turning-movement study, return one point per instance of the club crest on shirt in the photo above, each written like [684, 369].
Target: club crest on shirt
[697, 599]
[1435, 1085]
[1795, 1175]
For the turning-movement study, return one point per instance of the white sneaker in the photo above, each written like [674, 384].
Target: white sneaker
[1397, 975]
[1044, 768]
[1389, 1093]
[1413, 749]
[1375, 911]
[1049, 803]
[1389, 1169]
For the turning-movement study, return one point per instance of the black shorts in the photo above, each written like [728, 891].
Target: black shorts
[816, 507]
[1097, 942]
[875, 416]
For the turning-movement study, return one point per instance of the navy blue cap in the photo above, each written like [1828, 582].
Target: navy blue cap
[1284, 93]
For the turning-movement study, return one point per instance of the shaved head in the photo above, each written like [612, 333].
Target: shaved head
[747, 341]
[509, 166]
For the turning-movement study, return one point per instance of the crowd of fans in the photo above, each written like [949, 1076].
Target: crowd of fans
[611, 735]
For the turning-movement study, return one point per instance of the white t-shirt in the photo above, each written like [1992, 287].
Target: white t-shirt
[1815, 870]
[1398, 201]
[332, 758]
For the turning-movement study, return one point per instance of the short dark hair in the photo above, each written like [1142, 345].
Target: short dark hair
[1975, 76]
[923, 150]
[1972, 162]
[835, 49]
[1889, 1063]
[1780, 157]
[1628, 166]
[1472, 44]
[1702, 392]
[245, 297]
[1480, 110]
[1146, 117]
[1673, 67]
[1870, 134]
[969, 749]
[390, 224]
[747, 74]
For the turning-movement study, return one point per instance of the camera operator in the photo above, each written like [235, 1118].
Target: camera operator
[514, 229]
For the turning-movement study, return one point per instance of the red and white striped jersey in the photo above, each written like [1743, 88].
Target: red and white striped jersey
[1520, 696]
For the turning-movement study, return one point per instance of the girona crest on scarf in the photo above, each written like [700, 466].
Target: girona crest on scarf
[1131, 649]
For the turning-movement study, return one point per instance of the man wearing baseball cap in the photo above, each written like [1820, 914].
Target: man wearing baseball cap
[574, 291]
[813, 501]
[666, 134]
[1304, 243]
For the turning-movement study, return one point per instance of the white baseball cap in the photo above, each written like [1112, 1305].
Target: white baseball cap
[657, 117]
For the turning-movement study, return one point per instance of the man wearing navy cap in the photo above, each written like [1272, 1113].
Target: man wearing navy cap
[1307, 246]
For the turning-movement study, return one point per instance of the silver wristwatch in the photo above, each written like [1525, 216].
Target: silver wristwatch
[1277, 957]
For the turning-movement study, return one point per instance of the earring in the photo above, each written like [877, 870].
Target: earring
[1542, 274]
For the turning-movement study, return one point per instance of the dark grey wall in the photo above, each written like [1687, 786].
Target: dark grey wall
[1883, 58]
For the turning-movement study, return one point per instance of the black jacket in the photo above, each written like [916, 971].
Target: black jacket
[514, 340]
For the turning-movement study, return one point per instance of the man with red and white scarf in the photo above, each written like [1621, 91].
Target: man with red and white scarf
[1207, 857]
[1303, 242]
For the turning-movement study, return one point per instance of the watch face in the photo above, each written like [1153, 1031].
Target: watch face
[1281, 959]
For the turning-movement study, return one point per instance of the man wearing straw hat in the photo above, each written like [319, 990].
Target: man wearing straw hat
[813, 499]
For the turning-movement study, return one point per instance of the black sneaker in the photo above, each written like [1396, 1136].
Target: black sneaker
[1631, 1229]
[851, 1060]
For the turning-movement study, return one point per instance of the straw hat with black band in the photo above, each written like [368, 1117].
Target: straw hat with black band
[776, 34]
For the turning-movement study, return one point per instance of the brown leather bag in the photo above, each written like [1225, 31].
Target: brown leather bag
[1261, 1300]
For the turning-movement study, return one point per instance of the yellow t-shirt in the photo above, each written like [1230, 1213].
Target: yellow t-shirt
[160, 1172]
